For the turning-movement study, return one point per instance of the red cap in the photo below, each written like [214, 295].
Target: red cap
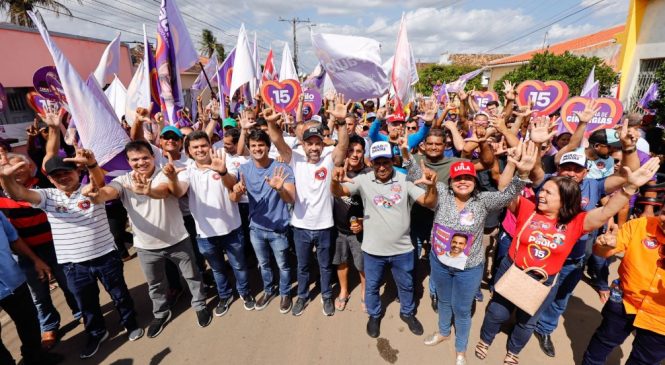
[397, 117]
[462, 168]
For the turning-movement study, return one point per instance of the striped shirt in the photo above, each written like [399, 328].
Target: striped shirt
[31, 224]
[80, 228]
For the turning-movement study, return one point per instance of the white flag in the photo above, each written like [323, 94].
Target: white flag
[137, 95]
[401, 72]
[109, 64]
[254, 84]
[353, 64]
[243, 65]
[287, 70]
[95, 122]
[117, 95]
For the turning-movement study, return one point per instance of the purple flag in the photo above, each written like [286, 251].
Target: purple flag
[650, 95]
[459, 84]
[225, 72]
[210, 70]
[590, 88]
[443, 93]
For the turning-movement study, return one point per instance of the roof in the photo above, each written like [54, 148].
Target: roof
[474, 59]
[599, 39]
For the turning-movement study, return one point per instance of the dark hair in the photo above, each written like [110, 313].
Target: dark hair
[234, 133]
[196, 135]
[259, 135]
[261, 121]
[357, 139]
[138, 146]
[492, 102]
[436, 133]
[457, 234]
[571, 198]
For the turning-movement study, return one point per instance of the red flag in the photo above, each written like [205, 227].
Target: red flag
[269, 68]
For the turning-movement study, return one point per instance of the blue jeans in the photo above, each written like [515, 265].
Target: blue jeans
[305, 239]
[599, 270]
[648, 346]
[401, 267]
[502, 247]
[569, 276]
[82, 281]
[264, 242]
[500, 309]
[212, 248]
[456, 289]
[49, 318]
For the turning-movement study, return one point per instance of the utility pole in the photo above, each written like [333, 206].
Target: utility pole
[293, 22]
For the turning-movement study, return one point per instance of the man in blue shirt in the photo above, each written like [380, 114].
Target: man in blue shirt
[16, 301]
[270, 186]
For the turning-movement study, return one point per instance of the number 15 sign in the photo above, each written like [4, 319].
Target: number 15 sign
[281, 96]
[546, 97]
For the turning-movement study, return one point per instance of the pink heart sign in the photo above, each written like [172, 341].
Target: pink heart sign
[282, 96]
[609, 114]
[547, 96]
[482, 98]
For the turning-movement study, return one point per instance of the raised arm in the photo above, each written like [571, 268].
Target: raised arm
[629, 157]
[590, 109]
[142, 117]
[338, 111]
[276, 136]
[15, 190]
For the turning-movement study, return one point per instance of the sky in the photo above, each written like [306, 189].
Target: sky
[434, 27]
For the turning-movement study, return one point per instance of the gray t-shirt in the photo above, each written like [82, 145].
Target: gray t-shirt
[387, 212]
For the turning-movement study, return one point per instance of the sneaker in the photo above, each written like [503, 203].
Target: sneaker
[135, 334]
[299, 307]
[248, 302]
[373, 327]
[285, 304]
[204, 318]
[328, 306]
[414, 325]
[158, 324]
[264, 300]
[92, 346]
[223, 306]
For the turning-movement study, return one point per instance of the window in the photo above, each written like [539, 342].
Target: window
[645, 78]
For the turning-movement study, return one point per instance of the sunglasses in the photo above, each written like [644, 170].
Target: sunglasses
[171, 136]
[411, 128]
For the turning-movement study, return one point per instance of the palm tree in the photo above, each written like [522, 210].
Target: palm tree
[209, 45]
[17, 10]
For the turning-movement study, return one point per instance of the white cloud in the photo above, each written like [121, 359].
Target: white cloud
[607, 7]
[557, 31]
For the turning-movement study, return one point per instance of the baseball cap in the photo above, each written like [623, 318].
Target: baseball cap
[370, 116]
[313, 131]
[172, 129]
[56, 163]
[462, 168]
[576, 157]
[380, 149]
[229, 122]
[609, 137]
[316, 118]
[397, 117]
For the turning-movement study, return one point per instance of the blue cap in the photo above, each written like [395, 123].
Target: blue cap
[170, 128]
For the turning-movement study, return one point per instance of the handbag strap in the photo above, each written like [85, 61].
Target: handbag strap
[519, 235]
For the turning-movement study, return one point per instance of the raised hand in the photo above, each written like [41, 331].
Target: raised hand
[170, 171]
[524, 157]
[642, 175]
[628, 136]
[430, 111]
[91, 190]
[338, 108]
[244, 121]
[214, 109]
[462, 95]
[428, 178]
[240, 187]
[609, 239]
[509, 90]
[140, 184]
[339, 173]
[33, 129]
[541, 131]
[217, 161]
[276, 181]
[5, 168]
[381, 113]
[51, 115]
[142, 115]
[590, 109]
[270, 115]
[83, 157]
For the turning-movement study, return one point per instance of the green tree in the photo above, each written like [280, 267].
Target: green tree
[659, 104]
[208, 44]
[17, 10]
[446, 73]
[569, 68]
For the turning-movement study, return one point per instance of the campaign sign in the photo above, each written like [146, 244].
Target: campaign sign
[37, 102]
[282, 96]
[609, 114]
[47, 83]
[482, 98]
[451, 248]
[547, 96]
[3, 98]
[311, 104]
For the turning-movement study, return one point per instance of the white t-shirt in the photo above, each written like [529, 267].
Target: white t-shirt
[184, 161]
[233, 163]
[313, 208]
[291, 141]
[153, 223]
[213, 211]
[80, 228]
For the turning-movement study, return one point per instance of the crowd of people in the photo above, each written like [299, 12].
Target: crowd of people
[468, 194]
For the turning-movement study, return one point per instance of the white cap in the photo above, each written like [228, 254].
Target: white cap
[316, 118]
[575, 157]
[380, 149]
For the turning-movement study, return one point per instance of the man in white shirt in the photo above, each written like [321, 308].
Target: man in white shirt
[214, 206]
[83, 243]
[159, 234]
[312, 217]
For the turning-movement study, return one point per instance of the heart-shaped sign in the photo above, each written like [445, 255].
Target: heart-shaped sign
[537, 252]
[37, 102]
[311, 104]
[482, 98]
[547, 96]
[282, 96]
[609, 113]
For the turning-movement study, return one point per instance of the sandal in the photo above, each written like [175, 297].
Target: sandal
[511, 359]
[340, 303]
[604, 296]
[49, 339]
[481, 350]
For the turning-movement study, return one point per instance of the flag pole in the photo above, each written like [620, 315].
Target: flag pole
[212, 92]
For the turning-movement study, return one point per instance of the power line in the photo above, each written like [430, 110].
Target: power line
[293, 22]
